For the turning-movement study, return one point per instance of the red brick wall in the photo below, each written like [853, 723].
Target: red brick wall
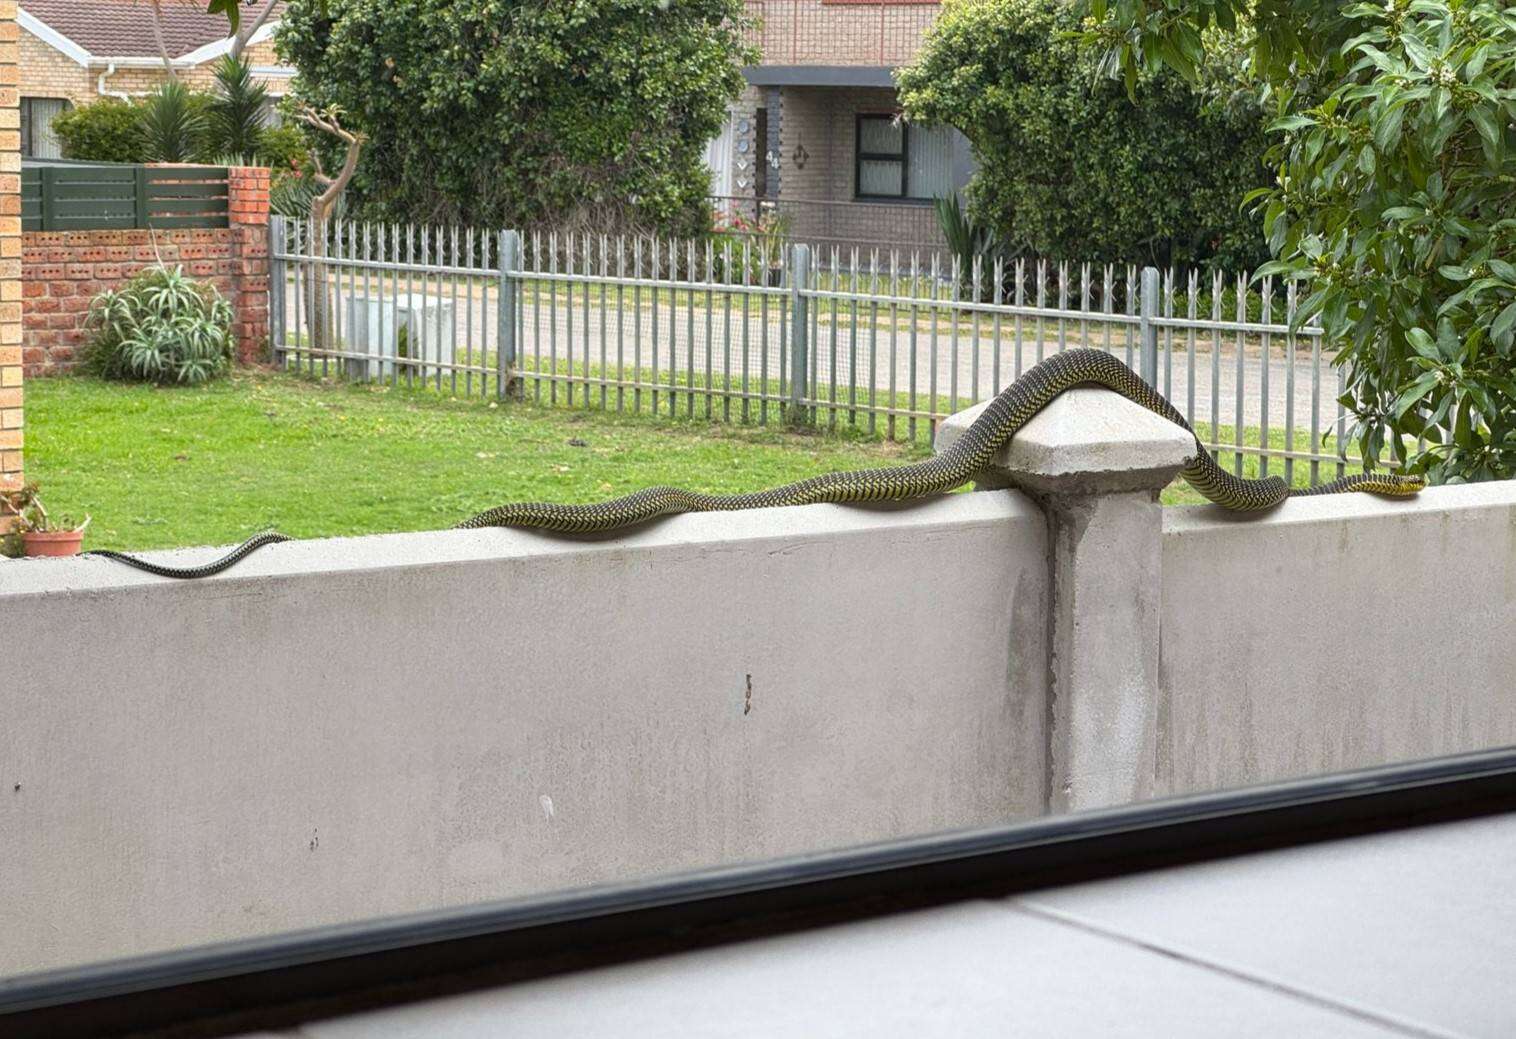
[62, 271]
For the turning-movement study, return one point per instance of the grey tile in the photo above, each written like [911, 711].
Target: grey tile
[1417, 926]
[973, 969]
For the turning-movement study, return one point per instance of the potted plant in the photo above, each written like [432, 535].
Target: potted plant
[38, 533]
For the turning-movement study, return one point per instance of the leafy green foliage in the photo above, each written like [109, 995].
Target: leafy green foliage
[1069, 166]
[1392, 204]
[234, 122]
[173, 124]
[975, 247]
[480, 112]
[161, 326]
[107, 130]
[284, 149]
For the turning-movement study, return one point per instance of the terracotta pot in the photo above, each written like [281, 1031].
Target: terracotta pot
[52, 542]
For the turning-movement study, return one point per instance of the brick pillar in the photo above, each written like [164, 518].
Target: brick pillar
[10, 251]
[247, 205]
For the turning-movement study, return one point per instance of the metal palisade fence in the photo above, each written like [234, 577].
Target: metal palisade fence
[760, 330]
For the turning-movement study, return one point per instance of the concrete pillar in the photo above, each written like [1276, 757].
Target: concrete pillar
[1095, 462]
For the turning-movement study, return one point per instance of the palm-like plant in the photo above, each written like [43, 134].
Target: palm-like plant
[974, 246]
[236, 110]
[173, 125]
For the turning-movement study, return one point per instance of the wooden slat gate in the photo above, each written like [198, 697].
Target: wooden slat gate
[91, 197]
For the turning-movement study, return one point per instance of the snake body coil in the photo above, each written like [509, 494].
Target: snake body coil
[968, 456]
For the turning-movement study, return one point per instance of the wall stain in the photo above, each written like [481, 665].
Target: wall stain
[747, 700]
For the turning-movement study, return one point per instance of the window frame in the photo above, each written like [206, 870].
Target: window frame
[905, 198]
[903, 157]
[26, 119]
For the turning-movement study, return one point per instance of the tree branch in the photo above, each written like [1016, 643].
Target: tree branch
[248, 27]
[328, 122]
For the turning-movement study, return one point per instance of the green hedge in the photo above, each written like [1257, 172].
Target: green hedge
[592, 115]
[106, 130]
[1068, 165]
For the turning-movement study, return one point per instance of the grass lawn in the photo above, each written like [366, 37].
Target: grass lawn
[186, 466]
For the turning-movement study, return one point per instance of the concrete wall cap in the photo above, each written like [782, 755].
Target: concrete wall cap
[1087, 440]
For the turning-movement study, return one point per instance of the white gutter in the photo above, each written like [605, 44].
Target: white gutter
[100, 84]
[136, 62]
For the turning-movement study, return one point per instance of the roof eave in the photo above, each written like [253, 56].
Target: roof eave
[74, 52]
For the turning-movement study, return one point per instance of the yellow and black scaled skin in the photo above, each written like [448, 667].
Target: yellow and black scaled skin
[1006, 414]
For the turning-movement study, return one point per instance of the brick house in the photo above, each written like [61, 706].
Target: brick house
[75, 51]
[817, 130]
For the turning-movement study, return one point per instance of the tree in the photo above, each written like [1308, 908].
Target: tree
[1393, 200]
[1068, 165]
[529, 112]
[330, 189]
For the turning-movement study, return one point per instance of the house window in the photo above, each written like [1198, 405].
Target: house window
[897, 160]
[37, 138]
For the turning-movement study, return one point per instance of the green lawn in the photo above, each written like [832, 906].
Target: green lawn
[185, 466]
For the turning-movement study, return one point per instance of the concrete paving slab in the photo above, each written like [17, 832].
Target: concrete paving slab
[1418, 926]
[969, 970]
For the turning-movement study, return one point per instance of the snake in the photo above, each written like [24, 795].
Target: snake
[958, 464]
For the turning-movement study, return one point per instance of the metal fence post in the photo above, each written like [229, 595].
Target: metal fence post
[1147, 363]
[800, 355]
[275, 286]
[505, 352]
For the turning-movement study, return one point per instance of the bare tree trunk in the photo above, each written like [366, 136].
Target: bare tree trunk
[318, 295]
[168, 64]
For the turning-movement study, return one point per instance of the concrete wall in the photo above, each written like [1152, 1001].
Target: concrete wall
[341, 729]
[1341, 632]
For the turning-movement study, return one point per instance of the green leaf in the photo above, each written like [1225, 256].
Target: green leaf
[226, 7]
[1413, 393]
[1387, 130]
[1291, 122]
[1422, 342]
[1501, 328]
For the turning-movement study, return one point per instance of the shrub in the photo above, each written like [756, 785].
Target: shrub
[234, 116]
[161, 326]
[975, 248]
[107, 130]
[284, 149]
[174, 124]
[520, 114]
[1068, 165]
